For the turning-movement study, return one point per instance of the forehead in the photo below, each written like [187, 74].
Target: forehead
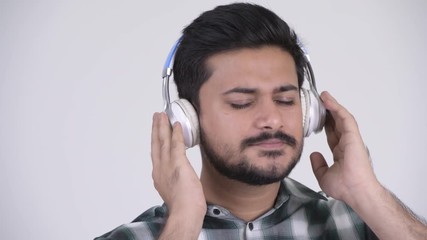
[264, 68]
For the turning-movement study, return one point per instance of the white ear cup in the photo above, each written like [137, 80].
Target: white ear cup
[304, 106]
[313, 111]
[183, 112]
[317, 113]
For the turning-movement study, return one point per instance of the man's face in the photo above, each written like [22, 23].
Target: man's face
[250, 115]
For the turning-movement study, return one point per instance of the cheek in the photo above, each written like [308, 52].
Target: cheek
[293, 120]
[298, 117]
[222, 127]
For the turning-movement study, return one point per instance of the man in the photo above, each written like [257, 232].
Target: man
[241, 67]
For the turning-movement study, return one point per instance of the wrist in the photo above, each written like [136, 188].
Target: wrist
[192, 210]
[365, 195]
[386, 215]
[183, 224]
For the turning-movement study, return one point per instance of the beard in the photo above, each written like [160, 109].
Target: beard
[244, 171]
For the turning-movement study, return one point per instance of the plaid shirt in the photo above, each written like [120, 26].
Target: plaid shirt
[298, 213]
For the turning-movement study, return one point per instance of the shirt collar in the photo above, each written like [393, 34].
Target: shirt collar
[290, 187]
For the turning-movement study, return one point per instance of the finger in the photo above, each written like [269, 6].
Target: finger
[155, 147]
[164, 137]
[342, 117]
[177, 145]
[331, 136]
[319, 165]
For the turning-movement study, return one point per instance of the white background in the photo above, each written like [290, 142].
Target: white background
[80, 80]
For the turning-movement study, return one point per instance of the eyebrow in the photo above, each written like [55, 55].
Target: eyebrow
[284, 88]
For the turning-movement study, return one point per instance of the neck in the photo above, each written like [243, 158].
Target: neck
[242, 200]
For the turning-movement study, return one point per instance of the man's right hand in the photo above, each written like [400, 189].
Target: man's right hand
[176, 181]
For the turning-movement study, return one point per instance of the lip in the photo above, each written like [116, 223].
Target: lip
[270, 144]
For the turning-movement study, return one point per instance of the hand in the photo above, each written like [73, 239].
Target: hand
[351, 173]
[174, 177]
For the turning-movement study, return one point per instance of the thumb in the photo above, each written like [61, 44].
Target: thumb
[319, 165]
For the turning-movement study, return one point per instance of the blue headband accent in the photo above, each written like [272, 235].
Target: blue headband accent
[167, 68]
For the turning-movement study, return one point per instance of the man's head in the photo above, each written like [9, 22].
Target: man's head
[225, 28]
[241, 67]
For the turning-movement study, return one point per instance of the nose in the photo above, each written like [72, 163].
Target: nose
[268, 116]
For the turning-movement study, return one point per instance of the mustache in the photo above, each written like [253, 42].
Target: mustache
[286, 138]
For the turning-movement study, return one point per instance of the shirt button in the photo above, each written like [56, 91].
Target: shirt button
[251, 226]
[216, 211]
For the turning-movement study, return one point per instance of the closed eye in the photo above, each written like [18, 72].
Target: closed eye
[240, 106]
[285, 102]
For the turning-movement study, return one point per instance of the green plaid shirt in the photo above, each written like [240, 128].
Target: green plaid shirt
[299, 213]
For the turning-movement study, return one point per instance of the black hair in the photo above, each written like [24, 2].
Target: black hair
[225, 28]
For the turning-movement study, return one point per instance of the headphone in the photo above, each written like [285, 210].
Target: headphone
[182, 111]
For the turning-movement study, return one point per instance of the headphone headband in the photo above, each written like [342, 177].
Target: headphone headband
[167, 67]
[167, 73]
